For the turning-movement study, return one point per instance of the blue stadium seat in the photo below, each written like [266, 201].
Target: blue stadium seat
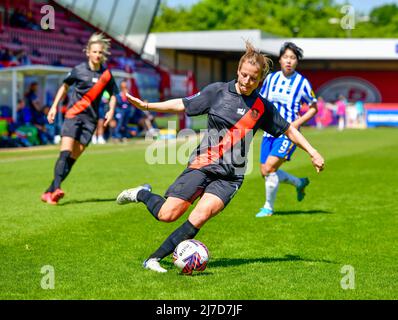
[5, 112]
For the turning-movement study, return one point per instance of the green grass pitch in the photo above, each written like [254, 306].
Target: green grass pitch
[96, 248]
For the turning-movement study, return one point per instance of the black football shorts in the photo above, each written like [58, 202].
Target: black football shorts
[193, 183]
[78, 129]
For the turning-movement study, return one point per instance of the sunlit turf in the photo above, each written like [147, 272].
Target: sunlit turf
[349, 217]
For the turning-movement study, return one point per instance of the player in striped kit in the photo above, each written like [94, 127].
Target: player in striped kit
[287, 90]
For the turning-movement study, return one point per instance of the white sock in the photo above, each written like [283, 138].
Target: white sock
[288, 178]
[271, 189]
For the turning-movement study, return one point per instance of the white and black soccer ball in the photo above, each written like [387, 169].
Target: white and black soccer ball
[191, 255]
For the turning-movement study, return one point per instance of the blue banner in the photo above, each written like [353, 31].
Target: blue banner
[380, 117]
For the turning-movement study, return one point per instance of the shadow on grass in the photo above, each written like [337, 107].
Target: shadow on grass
[226, 262]
[66, 203]
[302, 212]
[233, 262]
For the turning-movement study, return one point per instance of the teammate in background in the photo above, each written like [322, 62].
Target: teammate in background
[216, 169]
[90, 80]
[287, 90]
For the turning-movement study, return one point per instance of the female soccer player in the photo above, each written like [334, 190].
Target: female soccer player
[235, 112]
[90, 80]
[287, 90]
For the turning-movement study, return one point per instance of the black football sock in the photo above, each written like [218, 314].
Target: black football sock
[152, 201]
[61, 170]
[186, 231]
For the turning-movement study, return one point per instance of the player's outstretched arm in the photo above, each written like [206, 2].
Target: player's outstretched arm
[296, 137]
[169, 106]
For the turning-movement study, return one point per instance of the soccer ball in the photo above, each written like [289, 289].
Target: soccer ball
[191, 255]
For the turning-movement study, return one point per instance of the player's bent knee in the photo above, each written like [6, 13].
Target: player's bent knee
[169, 215]
[199, 218]
[266, 169]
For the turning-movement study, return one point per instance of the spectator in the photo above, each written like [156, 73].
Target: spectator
[16, 40]
[23, 58]
[32, 100]
[24, 114]
[319, 116]
[341, 106]
[5, 55]
[359, 107]
[145, 120]
[45, 129]
[17, 19]
[123, 113]
[36, 53]
[57, 63]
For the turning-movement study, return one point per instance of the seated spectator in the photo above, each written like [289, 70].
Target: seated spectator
[36, 53]
[32, 102]
[57, 62]
[46, 130]
[17, 19]
[23, 58]
[144, 120]
[31, 21]
[5, 54]
[16, 40]
[32, 99]
[24, 114]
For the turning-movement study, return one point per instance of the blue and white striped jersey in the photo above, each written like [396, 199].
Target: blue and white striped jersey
[287, 94]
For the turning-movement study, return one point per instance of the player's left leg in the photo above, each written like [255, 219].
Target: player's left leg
[208, 206]
[65, 167]
[62, 168]
[269, 171]
[285, 149]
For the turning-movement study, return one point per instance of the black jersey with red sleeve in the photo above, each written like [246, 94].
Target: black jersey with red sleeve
[233, 119]
[89, 87]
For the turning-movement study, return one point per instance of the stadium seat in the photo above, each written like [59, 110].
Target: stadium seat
[30, 133]
[5, 112]
[3, 128]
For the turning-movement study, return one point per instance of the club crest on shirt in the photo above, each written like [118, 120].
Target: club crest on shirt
[255, 114]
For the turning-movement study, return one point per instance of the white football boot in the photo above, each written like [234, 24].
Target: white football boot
[153, 264]
[130, 195]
